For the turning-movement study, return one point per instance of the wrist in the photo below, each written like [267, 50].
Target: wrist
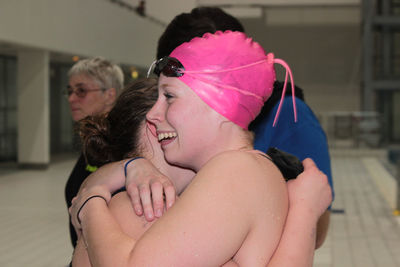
[101, 190]
[301, 210]
[128, 162]
[90, 200]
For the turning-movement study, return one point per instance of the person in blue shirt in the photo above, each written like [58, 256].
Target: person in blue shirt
[304, 139]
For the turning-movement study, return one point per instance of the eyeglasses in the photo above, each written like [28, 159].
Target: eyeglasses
[79, 92]
[169, 66]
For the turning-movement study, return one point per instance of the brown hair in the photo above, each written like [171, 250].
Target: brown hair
[116, 136]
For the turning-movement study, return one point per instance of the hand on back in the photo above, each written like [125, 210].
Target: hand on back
[310, 190]
[148, 188]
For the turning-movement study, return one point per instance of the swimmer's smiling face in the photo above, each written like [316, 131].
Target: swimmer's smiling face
[151, 150]
[186, 127]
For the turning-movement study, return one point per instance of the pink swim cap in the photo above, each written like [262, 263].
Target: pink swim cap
[229, 72]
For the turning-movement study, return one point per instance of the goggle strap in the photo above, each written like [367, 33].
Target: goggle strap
[225, 86]
[288, 72]
[151, 68]
[227, 70]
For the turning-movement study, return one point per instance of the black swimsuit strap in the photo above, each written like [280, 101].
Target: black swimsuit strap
[265, 156]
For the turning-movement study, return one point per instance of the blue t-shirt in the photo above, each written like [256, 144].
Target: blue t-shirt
[304, 138]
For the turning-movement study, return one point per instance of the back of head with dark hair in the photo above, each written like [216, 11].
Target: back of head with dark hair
[199, 21]
[116, 136]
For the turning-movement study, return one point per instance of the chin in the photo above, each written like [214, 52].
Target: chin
[177, 160]
[171, 158]
[77, 117]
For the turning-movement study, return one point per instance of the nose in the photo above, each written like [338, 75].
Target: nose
[72, 97]
[157, 113]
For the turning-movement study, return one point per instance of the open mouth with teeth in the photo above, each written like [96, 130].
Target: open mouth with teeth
[166, 136]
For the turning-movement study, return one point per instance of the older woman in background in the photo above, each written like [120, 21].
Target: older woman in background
[92, 89]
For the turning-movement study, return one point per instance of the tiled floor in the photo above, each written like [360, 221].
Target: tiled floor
[34, 231]
[33, 217]
[366, 234]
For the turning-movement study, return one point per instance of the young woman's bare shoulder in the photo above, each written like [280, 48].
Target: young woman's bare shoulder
[243, 160]
[242, 166]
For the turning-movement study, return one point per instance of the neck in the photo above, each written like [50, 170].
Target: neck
[229, 137]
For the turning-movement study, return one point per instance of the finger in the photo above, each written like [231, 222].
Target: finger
[291, 182]
[158, 198]
[73, 219]
[78, 233]
[71, 214]
[145, 197]
[134, 195]
[308, 164]
[170, 194]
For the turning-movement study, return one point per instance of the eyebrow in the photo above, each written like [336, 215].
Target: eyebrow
[76, 85]
[164, 86]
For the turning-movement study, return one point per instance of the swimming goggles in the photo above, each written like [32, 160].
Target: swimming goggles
[169, 66]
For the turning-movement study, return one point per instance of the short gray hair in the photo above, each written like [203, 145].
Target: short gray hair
[108, 74]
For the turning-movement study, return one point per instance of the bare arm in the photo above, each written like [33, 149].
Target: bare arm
[322, 228]
[80, 258]
[194, 230]
[131, 224]
[310, 195]
[145, 184]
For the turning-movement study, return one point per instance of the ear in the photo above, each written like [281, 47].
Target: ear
[111, 95]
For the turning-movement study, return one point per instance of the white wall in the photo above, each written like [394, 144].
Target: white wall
[33, 108]
[281, 2]
[81, 27]
[166, 10]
